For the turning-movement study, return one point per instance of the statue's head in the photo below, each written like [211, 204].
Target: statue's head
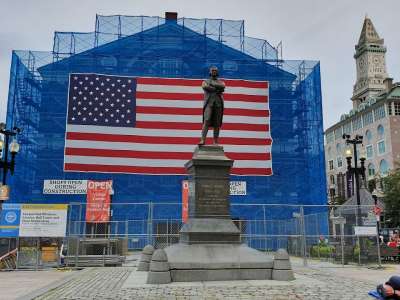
[214, 72]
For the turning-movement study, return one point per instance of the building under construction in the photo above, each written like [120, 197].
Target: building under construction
[175, 48]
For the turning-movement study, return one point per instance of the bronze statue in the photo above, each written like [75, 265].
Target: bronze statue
[213, 106]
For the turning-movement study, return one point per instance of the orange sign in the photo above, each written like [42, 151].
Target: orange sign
[185, 201]
[4, 192]
[98, 201]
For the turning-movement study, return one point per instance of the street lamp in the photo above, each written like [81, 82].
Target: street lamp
[7, 148]
[356, 171]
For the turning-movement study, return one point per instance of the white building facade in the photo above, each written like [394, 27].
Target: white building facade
[375, 116]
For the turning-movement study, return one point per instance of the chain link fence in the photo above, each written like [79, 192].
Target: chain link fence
[307, 231]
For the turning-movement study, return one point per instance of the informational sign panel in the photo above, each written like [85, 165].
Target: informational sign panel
[365, 230]
[98, 201]
[65, 187]
[185, 201]
[238, 188]
[9, 220]
[43, 220]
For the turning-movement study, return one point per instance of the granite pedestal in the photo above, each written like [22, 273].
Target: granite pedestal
[209, 247]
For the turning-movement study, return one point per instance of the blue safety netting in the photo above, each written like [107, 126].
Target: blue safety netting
[152, 46]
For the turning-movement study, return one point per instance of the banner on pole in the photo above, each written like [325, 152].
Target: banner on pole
[9, 220]
[185, 201]
[43, 220]
[98, 201]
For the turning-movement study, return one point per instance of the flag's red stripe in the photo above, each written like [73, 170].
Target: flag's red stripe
[123, 169]
[251, 171]
[162, 139]
[245, 83]
[199, 111]
[193, 96]
[198, 82]
[157, 154]
[155, 170]
[197, 126]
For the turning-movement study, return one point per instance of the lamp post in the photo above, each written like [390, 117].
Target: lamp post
[356, 171]
[6, 149]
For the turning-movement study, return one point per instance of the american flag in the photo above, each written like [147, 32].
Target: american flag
[152, 125]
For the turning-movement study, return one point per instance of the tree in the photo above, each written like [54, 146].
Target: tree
[391, 187]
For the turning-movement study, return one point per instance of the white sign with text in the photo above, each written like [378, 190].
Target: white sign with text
[43, 220]
[238, 188]
[365, 230]
[65, 187]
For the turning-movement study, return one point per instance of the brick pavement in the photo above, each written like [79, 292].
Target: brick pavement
[14, 284]
[125, 283]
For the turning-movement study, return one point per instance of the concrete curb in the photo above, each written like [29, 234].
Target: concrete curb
[51, 286]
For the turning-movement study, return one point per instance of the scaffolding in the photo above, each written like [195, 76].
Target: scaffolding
[154, 46]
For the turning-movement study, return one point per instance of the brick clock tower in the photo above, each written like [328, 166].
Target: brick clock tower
[371, 65]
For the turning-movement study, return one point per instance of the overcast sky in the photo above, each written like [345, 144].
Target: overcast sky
[324, 30]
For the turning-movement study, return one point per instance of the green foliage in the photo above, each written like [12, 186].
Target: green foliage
[368, 244]
[371, 185]
[322, 250]
[392, 198]
[356, 251]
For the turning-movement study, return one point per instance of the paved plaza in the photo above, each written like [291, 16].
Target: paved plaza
[319, 280]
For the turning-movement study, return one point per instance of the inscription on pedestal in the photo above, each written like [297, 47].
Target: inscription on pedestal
[212, 199]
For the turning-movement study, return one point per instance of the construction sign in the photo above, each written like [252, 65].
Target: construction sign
[98, 201]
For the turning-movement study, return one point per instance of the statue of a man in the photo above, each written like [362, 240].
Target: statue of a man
[213, 106]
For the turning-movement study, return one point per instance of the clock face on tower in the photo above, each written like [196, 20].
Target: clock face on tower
[377, 60]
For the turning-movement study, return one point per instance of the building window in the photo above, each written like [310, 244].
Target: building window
[381, 131]
[347, 128]
[383, 167]
[371, 170]
[329, 152]
[170, 66]
[396, 108]
[381, 147]
[379, 112]
[329, 137]
[368, 134]
[338, 148]
[341, 186]
[339, 161]
[330, 164]
[368, 118]
[357, 123]
[370, 151]
[389, 108]
[338, 133]
[332, 179]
